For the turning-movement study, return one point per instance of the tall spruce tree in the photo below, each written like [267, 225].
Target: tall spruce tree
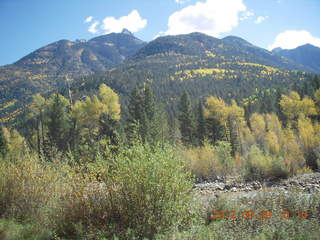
[134, 116]
[186, 119]
[109, 129]
[143, 116]
[201, 124]
[152, 116]
[58, 124]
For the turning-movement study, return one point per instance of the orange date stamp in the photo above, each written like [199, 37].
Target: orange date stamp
[251, 215]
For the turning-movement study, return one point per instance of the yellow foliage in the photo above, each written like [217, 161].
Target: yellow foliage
[89, 111]
[218, 109]
[272, 142]
[201, 160]
[111, 101]
[8, 104]
[258, 125]
[218, 73]
[317, 99]
[292, 151]
[292, 106]
[306, 132]
[209, 53]
[273, 123]
[268, 68]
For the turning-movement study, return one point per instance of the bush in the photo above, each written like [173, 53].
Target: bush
[27, 188]
[201, 161]
[150, 192]
[10, 230]
[260, 165]
[225, 162]
[145, 189]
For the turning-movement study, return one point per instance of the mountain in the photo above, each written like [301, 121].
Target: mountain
[46, 69]
[82, 57]
[201, 64]
[199, 44]
[307, 55]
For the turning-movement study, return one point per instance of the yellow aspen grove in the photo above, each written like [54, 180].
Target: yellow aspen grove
[306, 133]
[292, 106]
[272, 142]
[216, 108]
[292, 151]
[258, 127]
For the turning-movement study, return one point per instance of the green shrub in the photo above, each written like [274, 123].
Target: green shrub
[27, 187]
[10, 230]
[151, 190]
[225, 162]
[260, 165]
[145, 189]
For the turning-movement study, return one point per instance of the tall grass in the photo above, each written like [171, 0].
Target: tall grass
[145, 189]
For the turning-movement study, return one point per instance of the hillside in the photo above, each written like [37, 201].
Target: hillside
[203, 65]
[46, 69]
[307, 55]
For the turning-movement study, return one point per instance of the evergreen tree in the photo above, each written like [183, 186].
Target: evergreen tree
[201, 124]
[144, 115]
[215, 130]
[186, 119]
[58, 124]
[135, 115]
[234, 135]
[109, 128]
[151, 117]
[3, 144]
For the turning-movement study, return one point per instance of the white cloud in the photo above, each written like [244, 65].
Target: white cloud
[88, 19]
[133, 22]
[260, 19]
[211, 17]
[93, 27]
[182, 1]
[292, 38]
[247, 14]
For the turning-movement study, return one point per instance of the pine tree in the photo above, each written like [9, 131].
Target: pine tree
[143, 114]
[151, 117]
[58, 124]
[215, 130]
[109, 128]
[201, 124]
[135, 112]
[186, 119]
[234, 135]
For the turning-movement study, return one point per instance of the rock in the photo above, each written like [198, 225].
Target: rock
[234, 189]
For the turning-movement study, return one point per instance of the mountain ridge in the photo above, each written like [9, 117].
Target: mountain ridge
[132, 60]
[307, 55]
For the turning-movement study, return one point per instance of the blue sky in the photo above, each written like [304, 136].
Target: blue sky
[27, 25]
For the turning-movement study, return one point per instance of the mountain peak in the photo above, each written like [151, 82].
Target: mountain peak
[308, 45]
[277, 50]
[126, 31]
[237, 40]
